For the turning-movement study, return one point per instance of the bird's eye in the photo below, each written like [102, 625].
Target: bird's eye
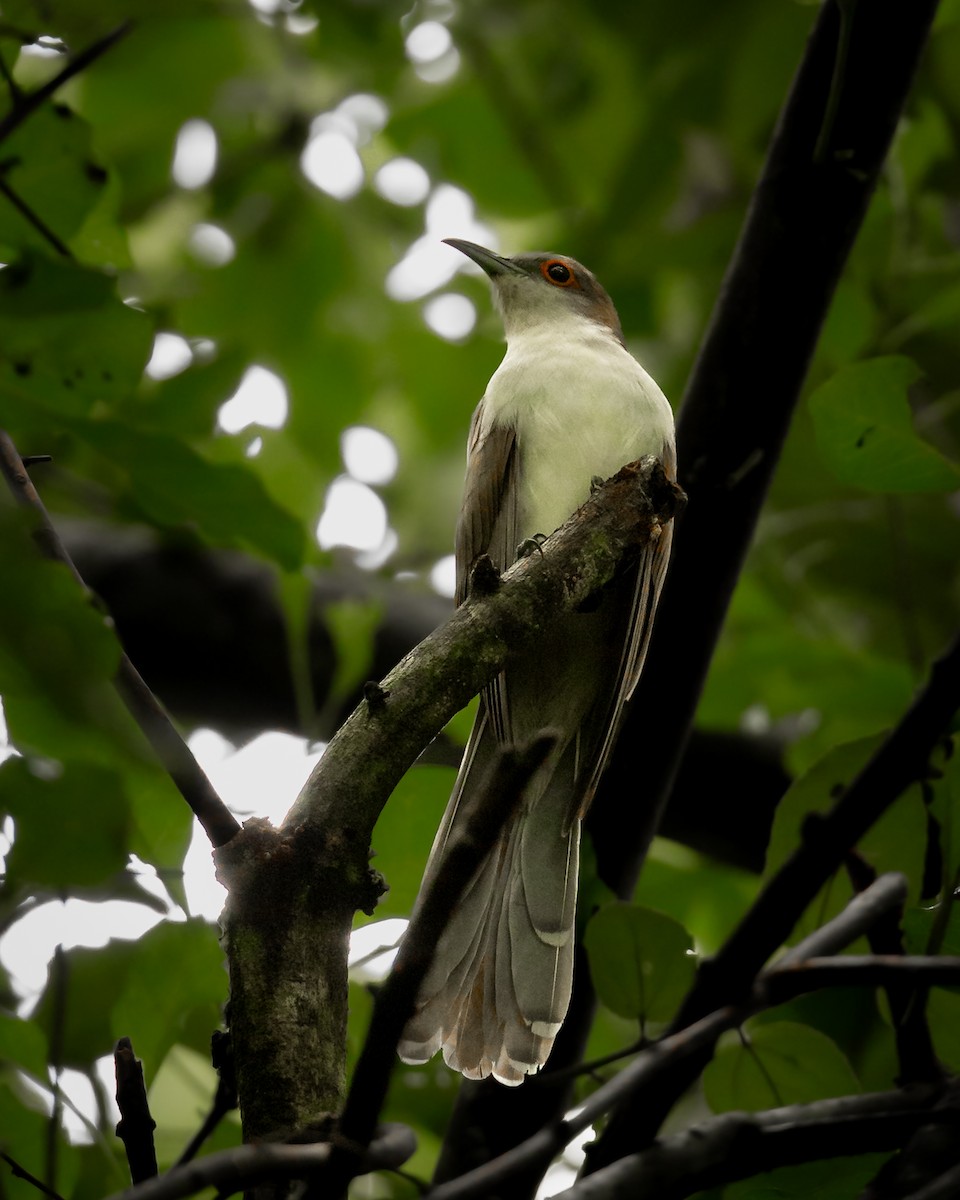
[558, 273]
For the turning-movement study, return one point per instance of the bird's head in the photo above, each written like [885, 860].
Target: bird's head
[539, 289]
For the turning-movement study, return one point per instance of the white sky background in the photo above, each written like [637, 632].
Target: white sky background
[271, 769]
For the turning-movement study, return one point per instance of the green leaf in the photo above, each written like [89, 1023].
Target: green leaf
[23, 1043]
[897, 842]
[72, 829]
[124, 990]
[831, 1179]
[641, 961]
[404, 834]
[57, 652]
[352, 625]
[155, 1015]
[66, 339]
[865, 433]
[180, 1091]
[48, 163]
[176, 485]
[782, 1063]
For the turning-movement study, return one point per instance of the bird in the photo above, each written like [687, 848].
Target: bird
[568, 403]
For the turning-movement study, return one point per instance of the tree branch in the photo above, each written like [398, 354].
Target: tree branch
[136, 1125]
[900, 760]
[493, 807]
[299, 886]
[218, 822]
[908, 1005]
[20, 1172]
[739, 401]
[25, 105]
[243, 1167]
[371, 751]
[739, 1145]
[657, 1067]
[34, 219]
[885, 894]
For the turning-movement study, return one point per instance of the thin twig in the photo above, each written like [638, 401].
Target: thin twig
[28, 104]
[538, 1150]
[136, 1125]
[35, 220]
[784, 981]
[225, 1099]
[901, 760]
[651, 1064]
[59, 979]
[245, 1166]
[175, 756]
[22, 1173]
[916, 1055]
[860, 915]
[496, 803]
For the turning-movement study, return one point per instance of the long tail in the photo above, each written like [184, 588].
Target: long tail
[500, 982]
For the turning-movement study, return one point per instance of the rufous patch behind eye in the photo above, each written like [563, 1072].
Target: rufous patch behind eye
[558, 273]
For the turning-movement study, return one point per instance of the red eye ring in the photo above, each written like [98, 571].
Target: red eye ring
[555, 271]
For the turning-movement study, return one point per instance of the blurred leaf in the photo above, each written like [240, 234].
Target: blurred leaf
[66, 340]
[123, 990]
[641, 962]
[831, 1179]
[72, 829]
[180, 1092]
[865, 434]
[352, 625]
[705, 897]
[22, 1042]
[404, 834]
[53, 641]
[48, 163]
[176, 485]
[782, 1063]
[156, 1016]
[897, 842]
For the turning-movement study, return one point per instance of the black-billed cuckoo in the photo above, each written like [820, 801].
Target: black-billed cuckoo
[567, 404]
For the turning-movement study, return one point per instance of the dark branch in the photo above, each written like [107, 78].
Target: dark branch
[901, 760]
[782, 983]
[657, 1066]
[885, 894]
[136, 1125]
[35, 220]
[739, 1145]
[218, 822]
[225, 1099]
[246, 1166]
[502, 792]
[908, 1003]
[802, 222]
[27, 104]
[22, 1173]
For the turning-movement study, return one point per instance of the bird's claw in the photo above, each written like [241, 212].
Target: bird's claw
[596, 483]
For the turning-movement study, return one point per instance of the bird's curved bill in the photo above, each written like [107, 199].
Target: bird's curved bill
[492, 263]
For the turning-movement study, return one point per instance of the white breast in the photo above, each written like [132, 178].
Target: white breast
[582, 406]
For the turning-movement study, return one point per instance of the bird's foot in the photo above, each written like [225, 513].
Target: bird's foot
[596, 483]
[531, 545]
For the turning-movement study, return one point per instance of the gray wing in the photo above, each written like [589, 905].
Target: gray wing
[488, 524]
[488, 512]
[638, 599]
